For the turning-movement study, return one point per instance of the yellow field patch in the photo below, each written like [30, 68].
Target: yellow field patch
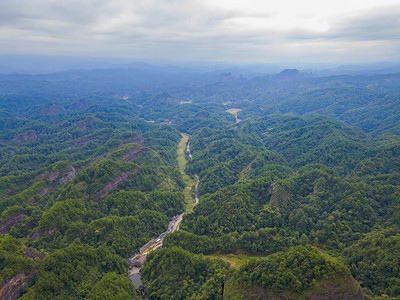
[234, 111]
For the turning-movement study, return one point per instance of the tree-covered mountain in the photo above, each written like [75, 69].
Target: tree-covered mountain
[299, 195]
[81, 186]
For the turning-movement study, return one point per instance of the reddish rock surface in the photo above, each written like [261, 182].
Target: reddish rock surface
[44, 191]
[11, 289]
[32, 254]
[53, 175]
[84, 140]
[6, 226]
[26, 137]
[52, 110]
[95, 159]
[113, 184]
[329, 295]
[38, 234]
[67, 176]
[135, 153]
[82, 125]
[137, 139]
[39, 176]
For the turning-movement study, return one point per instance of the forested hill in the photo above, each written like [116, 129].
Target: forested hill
[299, 192]
[368, 101]
[83, 191]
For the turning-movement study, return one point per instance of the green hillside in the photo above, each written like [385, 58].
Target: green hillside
[299, 196]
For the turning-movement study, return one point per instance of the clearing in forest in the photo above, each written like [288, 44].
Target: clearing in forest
[190, 183]
[234, 111]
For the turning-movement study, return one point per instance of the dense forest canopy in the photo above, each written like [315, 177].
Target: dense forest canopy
[299, 191]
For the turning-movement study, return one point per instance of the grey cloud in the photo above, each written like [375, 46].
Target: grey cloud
[153, 17]
[19, 11]
[48, 18]
[380, 24]
[171, 29]
[161, 16]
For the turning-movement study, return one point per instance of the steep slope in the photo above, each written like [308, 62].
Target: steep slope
[299, 273]
[89, 189]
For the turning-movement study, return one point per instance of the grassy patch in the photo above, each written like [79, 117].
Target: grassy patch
[181, 152]
[189, 182]
[235, 260]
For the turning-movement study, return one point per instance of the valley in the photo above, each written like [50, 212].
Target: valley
[297, 199]
[139, 258]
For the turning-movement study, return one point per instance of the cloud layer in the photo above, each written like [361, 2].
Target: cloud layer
[203, 30]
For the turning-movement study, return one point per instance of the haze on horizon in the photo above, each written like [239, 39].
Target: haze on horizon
[208, 30]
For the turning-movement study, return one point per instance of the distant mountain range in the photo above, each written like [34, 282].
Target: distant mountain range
[31, 64]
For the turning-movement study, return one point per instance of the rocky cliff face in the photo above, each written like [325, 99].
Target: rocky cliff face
[113, 184]
[350, 290]
[6, 226]
[38, 234]
[11, 289]
[66, 176]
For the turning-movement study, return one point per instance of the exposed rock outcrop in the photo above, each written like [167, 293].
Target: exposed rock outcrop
[135, 153]
[53, 175]
[68, 175]
[279, 195]
[26, 137]
[350, 290]
[82, 125]
[32, 254]
[39, 176]
[95, 159]
[12, 288]
[332, 295]
[52, 110]
[113, 184]
[86, 139]
[136, 140]
[6, 226]
[38, 234]
[45, 191]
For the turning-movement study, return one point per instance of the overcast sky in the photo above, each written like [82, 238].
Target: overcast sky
[213, 30]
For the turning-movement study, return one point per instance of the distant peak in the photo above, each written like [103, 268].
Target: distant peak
[290, 73]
